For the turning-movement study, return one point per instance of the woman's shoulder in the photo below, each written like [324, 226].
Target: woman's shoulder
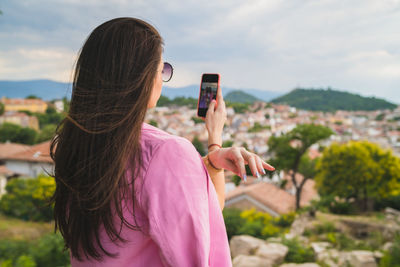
[156, 140]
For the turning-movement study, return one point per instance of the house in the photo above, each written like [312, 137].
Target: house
[267, 197]
[16, 104]
[21, 119]
[6, 174]
[263, 196]
[32, 161]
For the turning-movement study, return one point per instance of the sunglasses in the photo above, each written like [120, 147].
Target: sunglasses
[167, 72]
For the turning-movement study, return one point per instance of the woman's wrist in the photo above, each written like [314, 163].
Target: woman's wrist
[212, 157]
[215, 139]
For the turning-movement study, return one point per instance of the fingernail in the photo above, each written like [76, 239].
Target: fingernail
[245, 177]
[258, 175]
[264, 171]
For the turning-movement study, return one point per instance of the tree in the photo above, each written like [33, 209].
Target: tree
[199, 146]
[17, 134]
[154, 123]
[66, 103]
[32, 97]
[46, 133]
[289, 152]
[27, 199]
[2, 108]
[359, 170]
[227, 143]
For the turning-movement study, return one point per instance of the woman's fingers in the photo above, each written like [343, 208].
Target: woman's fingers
[239, 162]
[267, 166]
[211, 108]
[232, 167]
[260, 165]
[251, 160]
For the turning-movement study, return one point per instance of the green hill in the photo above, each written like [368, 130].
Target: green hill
[331, 100]
[239, 96]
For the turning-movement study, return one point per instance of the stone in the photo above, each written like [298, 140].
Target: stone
[244, 244]
[274, 252]
[250, 261]
[328, 254]
[274, 240]
[307, 264]
[378, 255]
[392, 211]
[387, 246]
[362, 258]
[318, 247]
[299, 224]
[329, 257]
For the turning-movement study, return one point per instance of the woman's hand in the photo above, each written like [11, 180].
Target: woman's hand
[235, 159]
[215, 119]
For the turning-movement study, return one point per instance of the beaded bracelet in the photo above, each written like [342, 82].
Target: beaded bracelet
[208, 161]
[214, 145]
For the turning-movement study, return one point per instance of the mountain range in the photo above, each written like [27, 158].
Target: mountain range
[49, 90]
[331, 100]
[308, 99]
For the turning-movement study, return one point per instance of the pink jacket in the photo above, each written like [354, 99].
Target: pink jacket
[176, 205]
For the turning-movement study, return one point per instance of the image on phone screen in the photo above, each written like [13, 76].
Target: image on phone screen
[207, 94]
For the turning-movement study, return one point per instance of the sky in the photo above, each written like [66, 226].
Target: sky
[272, 45]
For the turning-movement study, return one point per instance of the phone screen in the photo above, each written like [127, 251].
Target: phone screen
[208, 92]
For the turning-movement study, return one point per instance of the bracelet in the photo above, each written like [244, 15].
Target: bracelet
[214, 145]
[209, 162]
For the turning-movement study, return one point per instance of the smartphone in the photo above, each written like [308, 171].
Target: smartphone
[208, 91]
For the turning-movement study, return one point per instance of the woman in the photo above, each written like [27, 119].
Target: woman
[127, 193]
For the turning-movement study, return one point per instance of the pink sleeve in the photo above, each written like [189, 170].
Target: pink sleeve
[175, 197]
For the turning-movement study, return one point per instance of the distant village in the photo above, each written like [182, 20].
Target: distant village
[252, 129]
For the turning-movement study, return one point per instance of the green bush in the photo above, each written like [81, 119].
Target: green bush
[47, 133]
[17, 134]
[233, 221]
[285, 220]
[298, 252]
[258, 224]
[253, 228]
[329, 203]
[47, 251]
[392, 257]
[325, 227]
[26, 198]
[343, 242]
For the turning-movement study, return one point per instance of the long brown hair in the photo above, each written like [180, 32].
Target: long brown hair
[113, 81]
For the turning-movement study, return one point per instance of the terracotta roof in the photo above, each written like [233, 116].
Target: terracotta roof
[7, 149]
[22, 101]
[268, 194]
[36, 153]
[15, 114]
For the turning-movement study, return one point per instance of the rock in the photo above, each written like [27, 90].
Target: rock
[274, 239]
[387, 246]
[274, 252]
[362, 258]
[329, 256]
[318, 247]
[244, 244]
[250, 261]
[391, 211]
[378, 255]
[299, 225]
[307, 264]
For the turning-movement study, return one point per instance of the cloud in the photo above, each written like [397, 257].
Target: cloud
[275, 45]
[50, 63]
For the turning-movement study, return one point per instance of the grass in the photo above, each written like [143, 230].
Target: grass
[16, 229]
